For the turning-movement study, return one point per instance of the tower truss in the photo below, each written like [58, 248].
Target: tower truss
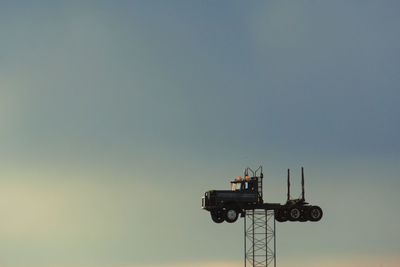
[259, 238]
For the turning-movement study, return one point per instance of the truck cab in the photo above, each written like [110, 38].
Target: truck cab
[226, 205]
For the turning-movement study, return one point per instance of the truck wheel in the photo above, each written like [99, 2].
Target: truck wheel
[231, 215]
[281, 215]
[303, 216]
[315, 214]
[216, 216]
[294, 214]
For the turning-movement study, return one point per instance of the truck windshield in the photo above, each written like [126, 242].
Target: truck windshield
[235, 186]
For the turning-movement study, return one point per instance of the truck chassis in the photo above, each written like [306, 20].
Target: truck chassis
[225, 205]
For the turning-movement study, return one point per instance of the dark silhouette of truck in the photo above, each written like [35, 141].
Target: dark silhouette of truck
[246, 194]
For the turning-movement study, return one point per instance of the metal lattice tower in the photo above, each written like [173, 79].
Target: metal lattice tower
[259, 238]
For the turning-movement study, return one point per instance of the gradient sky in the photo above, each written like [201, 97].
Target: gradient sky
[116, 116]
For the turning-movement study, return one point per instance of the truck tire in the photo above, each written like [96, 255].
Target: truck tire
[314, 214]
[304, 216]
[216, 216]
[294, 214]
[281, 215]
[231, 214]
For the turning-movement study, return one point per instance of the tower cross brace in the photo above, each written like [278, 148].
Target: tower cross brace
[259, 238]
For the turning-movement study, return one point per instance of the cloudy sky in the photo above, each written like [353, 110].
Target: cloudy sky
[116, 116]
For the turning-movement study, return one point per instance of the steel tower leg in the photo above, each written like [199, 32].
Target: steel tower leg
[259, 238]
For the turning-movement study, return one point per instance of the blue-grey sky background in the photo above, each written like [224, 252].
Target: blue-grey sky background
[116, 117]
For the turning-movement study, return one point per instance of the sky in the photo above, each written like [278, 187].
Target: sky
[117, 116]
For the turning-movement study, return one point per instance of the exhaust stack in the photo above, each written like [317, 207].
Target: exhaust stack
[288, 184]
[302, 184]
